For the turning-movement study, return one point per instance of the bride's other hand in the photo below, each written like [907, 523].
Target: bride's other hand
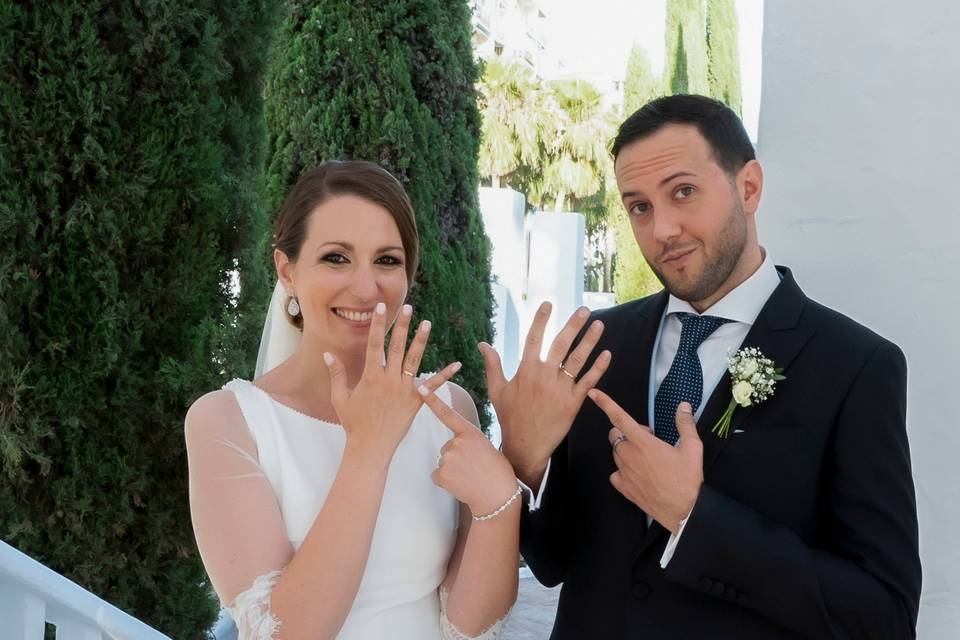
[377, 413]
[469, 467]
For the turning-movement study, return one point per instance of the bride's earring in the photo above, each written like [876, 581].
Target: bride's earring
[293, 307]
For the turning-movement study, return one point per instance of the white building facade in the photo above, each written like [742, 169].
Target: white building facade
[861, 145]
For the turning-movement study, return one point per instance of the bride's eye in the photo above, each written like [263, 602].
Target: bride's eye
[389, 261]
[335, 258]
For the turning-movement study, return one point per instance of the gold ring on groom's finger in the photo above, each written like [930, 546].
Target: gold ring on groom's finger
[408, 373]
[567, 373]
[619, 439]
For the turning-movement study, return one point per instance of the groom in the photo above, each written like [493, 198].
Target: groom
[801, 522]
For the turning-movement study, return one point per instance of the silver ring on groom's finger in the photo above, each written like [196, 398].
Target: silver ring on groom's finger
[567, 373]
[620, 438]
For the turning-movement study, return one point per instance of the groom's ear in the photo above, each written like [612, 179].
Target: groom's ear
[284, 269]
[750, 185]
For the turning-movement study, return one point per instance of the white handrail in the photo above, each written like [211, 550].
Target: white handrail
[32, 594]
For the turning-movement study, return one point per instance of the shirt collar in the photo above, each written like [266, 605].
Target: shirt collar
[742, 304]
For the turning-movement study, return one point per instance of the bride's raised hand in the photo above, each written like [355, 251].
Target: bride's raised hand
[377, 413]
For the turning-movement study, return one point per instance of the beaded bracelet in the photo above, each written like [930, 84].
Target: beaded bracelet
[501, 508]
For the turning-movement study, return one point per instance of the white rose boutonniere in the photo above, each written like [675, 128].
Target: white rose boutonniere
[754, 378]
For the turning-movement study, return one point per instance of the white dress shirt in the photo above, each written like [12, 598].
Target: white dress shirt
[741, 306]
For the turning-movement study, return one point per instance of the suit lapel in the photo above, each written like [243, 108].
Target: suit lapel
[779, 335]
[630, 383]
[627, 382]
[643, 359]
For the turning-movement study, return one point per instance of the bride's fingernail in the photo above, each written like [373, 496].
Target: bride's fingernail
[328, 358]
[455, 367]
[407, 310]
[423, 390]
[381, 308]
[425, 325]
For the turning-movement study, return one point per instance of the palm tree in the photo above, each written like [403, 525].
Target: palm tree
[513, 119]
[576, 146]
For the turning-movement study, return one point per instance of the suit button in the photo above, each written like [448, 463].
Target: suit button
[731, 593]
[741, 599]
[718, 588]
[706, 583]
[641, 590]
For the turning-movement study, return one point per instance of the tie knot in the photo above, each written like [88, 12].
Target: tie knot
[696, 329]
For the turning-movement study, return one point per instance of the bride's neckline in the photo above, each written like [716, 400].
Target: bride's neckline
[294, 410]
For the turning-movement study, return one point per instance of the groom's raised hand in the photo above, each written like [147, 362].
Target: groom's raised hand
[663, 480]
[537, 406]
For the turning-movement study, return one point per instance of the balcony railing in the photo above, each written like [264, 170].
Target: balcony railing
[32, 595]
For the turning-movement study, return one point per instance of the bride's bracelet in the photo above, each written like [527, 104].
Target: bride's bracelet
[501, 508]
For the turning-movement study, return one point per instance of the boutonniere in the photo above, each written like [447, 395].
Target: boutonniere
[753, 378]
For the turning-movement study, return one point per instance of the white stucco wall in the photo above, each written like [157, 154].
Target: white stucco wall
[860, 139]
[555, 271]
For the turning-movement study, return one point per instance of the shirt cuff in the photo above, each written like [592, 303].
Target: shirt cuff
[672, 543]
[533, 499]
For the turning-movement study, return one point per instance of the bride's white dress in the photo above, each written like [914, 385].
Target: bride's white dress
[293, 465]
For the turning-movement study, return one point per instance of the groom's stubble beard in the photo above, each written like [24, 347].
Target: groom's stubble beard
[720, 260]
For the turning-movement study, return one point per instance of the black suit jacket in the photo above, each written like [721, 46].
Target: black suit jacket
[805, 526]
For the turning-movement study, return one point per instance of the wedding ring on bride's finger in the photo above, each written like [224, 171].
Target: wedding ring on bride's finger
[409, 373]
[567, 373]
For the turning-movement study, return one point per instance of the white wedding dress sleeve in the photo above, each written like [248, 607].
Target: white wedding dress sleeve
[229, 493]
[449, 632]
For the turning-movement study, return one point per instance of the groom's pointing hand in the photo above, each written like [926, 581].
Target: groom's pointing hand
[663, 480]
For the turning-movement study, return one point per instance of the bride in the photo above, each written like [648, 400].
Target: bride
[339, 494]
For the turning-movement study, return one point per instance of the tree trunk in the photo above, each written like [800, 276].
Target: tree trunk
[608, 249]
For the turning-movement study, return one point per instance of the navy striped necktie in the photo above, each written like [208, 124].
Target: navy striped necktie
[684, 381]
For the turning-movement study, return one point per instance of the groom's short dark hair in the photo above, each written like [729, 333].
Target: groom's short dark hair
[717, 123]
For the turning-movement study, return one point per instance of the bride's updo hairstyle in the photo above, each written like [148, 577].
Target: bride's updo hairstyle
[339, 178]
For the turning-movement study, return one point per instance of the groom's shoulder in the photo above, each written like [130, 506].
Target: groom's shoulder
[842, 334]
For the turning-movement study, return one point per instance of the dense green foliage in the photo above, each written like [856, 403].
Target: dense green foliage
[685, 70]
[393, 82]
[640, 85]
[129, 135]
[632, 277]
[723, 53]
[513, 116]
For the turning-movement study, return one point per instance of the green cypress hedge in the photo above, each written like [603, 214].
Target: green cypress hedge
[129, 138]
[685, 69]
[393, 82]
[723, 52]
[632, 277]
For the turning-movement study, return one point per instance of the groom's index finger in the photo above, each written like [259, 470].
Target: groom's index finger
[618, 416]
[531, 348]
